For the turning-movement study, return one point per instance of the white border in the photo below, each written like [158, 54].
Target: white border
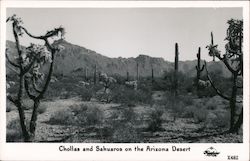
[46, 151]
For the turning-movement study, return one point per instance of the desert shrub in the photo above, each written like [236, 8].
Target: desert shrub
[128, 114]
[62, 117]
[222, 120]
[126, 95]
[120, 79]
[87, 114]
[169, 77]
[92, 116]
[14, 131]
[145, 86]
[54, 90]
[155, 120]
[160, 85]
[121, 126]
[28, 104]
[189, 111]
[42, 108]
[86, 93]
[174, 104]
[124, 114]
[187, 100]
[104, 96]
[65, 94]
[125, 133]
[207, 92]
[9, 106]
[200, 114]
[78, 109]
[211, 105]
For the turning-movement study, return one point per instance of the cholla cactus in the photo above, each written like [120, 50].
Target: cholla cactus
[132, 84]
[30, 78]
[106, 81]
[213, 51]
[233, 60]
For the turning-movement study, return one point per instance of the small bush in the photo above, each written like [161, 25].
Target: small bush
[222, 120]
[174, 104]
[187, 100]
[125, 133]
[104, 96]
[9, 106]
[155, 120]
[189, 112]
[94, 116]
[28, 104]
[160, 85]
[14, 131]
[78, 109]
[86, 94]
[62, 117]
[128, 114]
[211, 105]
[87, 114]
[200, 114]
[121, 126]
[41, 109]
[126, 95]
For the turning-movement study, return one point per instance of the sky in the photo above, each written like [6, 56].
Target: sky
[129, 32]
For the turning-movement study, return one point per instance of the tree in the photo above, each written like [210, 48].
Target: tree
[233, 60]
[31, 79]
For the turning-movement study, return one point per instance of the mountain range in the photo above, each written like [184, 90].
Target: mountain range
[74, 59]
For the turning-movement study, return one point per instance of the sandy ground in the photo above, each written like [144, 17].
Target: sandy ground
[182, 130]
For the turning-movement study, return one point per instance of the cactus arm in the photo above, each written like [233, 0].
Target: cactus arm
[47, 35]
[35, 87]
[196, 67]
[228, 66]
[26, 86]
[212, 84]
[202, 67]
[8, 59]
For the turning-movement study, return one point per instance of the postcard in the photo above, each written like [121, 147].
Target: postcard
[124, 80]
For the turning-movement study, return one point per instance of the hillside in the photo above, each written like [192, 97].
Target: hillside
[74, 59]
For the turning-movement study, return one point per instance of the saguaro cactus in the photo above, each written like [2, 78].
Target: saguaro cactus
[95, 74]
[199, 69]
[152, 74]
[176, 63]
[127, 76]
[86, 74]
[137, 71]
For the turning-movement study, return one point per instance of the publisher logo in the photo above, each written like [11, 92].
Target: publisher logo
[211, 152]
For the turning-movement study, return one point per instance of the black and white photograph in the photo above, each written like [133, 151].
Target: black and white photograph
[141, 75]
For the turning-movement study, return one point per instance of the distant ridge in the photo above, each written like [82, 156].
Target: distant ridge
[74, 59]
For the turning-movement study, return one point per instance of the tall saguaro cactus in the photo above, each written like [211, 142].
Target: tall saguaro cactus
[127, 76]
[95, 74]
[176, 64]
[86, 74]
[199, 69]
[152, 74]
[137, 71]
